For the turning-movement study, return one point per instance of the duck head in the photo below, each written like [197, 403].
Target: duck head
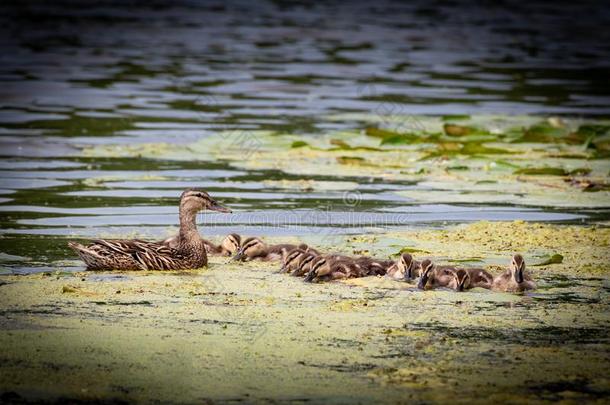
[517, 267]
[291, 259]
[250, 248]
[426, 268]
[462, 279]
[194, 200]
[405, 265]
[230, 244]
[317, 266]
[304, 264]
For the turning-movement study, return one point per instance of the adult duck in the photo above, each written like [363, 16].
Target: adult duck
[188, 253]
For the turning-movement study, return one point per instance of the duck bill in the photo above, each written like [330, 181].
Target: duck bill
[408, 274]
[310, 276]
[423, 280]
[519, 276]
[284, 269]
[460, 287]
[239, 256]
[217, 207]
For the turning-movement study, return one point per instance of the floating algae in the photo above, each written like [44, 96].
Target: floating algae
[242, 331]
[501, 154]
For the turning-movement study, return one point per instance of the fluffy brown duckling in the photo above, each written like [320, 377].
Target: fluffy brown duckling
[326, 268]
[373, 267]
[405, 268]
[292, 259]
[254, 248]
[304, 264]
[433, 276]
[229, 245]
[515, 278]
[479, 278]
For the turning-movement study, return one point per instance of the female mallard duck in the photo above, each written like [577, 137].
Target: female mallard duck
[405, 268]
[254, 248]
[514, 279]
[189, 252]
[433, 276]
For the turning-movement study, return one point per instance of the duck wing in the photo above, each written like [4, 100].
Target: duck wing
[148, 255]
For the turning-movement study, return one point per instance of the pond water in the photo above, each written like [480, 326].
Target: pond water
[88, 95]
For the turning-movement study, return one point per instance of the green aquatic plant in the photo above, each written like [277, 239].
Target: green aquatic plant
[553, 259]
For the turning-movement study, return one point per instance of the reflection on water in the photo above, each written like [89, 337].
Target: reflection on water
[73, 77]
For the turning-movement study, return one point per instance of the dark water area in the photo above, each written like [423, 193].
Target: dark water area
[76, 75]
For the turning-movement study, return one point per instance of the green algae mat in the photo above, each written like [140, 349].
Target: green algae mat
[243, 333]
[520, 160]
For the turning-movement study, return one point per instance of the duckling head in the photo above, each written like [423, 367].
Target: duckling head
[517, 267]
[291, 258]
[317, 266]
[194, 200]
[252, 247]
[304, 264]
[231, 243]
[426, 271]
[462, 279]
[405, 264]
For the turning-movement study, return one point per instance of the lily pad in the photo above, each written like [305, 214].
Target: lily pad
[581, 171]
[351, 160]
[554, 259]
[542, 171]
[542, 132]
[455, 117]
[400, 140]
[380, 133]
[457, 130]
[412, 250]
[299, 144]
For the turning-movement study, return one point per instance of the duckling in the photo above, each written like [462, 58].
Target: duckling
[405, 268]
[514, 279]
[479, 278]
[229, 245]
[254, 248]
[461, 280]
[291, 260]
[136, 254]
[372, 266]
[325, 268]
[433, 276]
[304, 264]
